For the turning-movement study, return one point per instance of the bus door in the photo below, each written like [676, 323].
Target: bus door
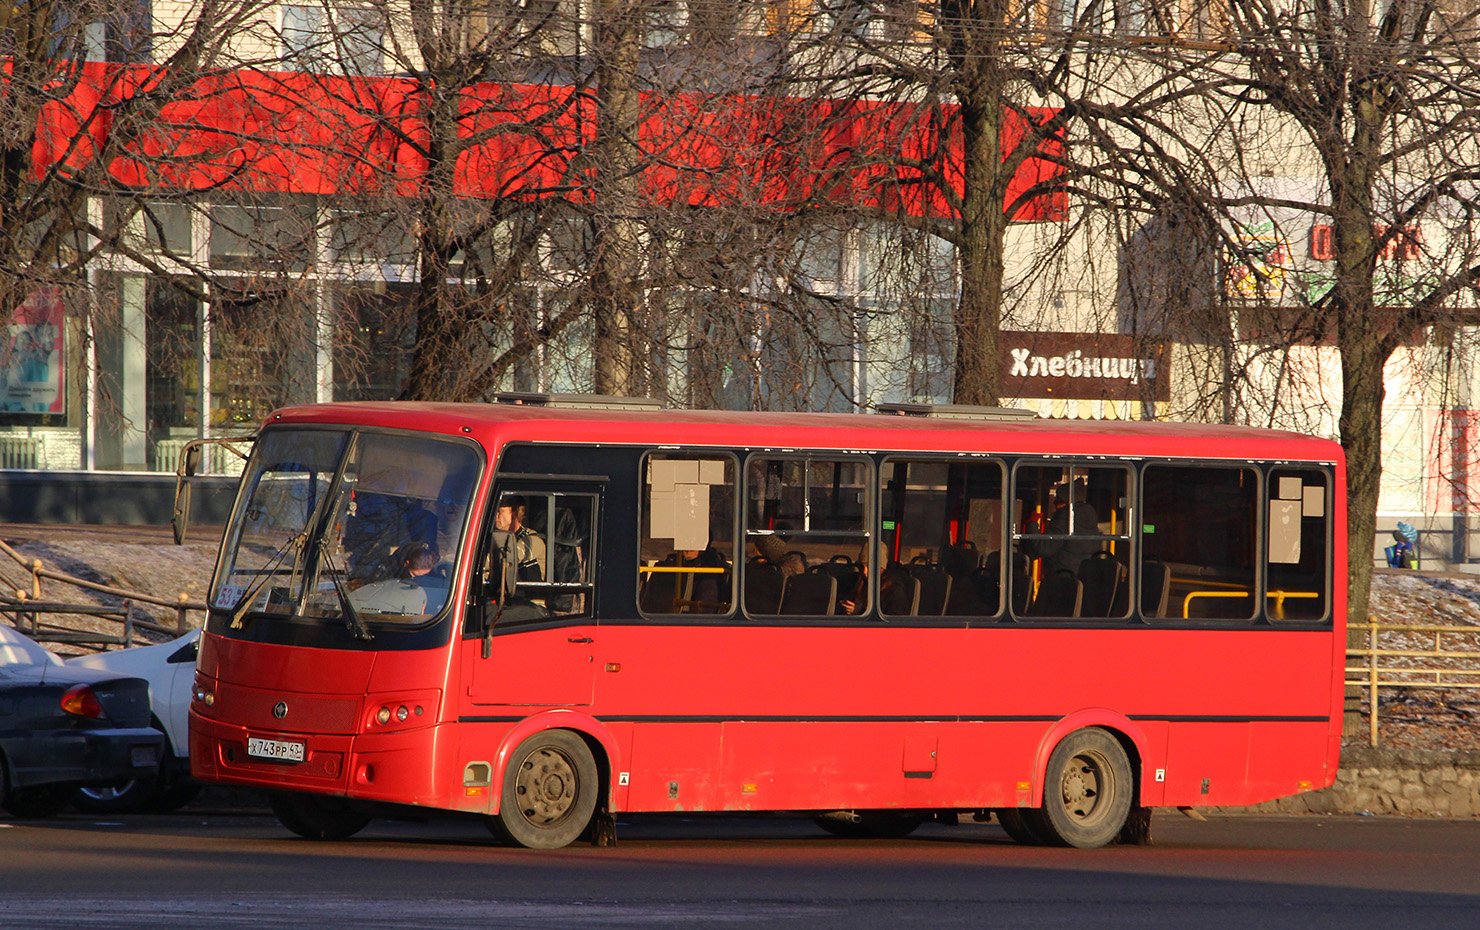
[529, 633]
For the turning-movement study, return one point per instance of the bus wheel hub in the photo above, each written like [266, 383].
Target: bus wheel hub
[546, 785]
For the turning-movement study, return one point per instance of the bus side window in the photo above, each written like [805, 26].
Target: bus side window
[1297, 548]
[806, 520]
[687, 534]
[537, 551]
[1199, 533]
[1074, 537]
[941, 533]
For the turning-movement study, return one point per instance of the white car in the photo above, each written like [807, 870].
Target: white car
[170, 670]
[17, 648]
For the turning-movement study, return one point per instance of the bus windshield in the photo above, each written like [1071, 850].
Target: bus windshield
[342, 525]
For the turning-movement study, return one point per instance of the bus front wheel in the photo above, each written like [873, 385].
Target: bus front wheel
[318, 818]
[1088, 793]
[549, 791]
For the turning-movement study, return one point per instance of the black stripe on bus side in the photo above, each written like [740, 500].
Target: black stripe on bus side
[991, 718]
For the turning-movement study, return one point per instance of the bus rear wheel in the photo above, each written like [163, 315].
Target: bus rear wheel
[549, 791]
[318, 818]
[1088, 794]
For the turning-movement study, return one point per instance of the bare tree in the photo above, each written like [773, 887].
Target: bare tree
[1377, 103]
[88, 109]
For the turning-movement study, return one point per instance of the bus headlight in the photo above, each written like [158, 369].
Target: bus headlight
[402, 710]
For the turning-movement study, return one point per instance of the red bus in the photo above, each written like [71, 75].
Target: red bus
[548, 613]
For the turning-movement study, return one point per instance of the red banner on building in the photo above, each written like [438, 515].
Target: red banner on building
[320, 134]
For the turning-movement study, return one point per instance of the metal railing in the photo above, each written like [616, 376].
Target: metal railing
[24, 606]
[21, 452]
[1435, 658]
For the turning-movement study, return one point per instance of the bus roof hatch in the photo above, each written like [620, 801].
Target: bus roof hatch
[577, 401]
[954, 411]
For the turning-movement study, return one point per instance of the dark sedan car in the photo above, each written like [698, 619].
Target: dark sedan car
[61, 727]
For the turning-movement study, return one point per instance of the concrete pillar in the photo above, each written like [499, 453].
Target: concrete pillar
[133, 430]
[118, 402]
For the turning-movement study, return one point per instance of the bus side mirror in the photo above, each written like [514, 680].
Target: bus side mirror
[180, 522]
[188, 466]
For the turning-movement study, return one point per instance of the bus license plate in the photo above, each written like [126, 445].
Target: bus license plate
[279, 750]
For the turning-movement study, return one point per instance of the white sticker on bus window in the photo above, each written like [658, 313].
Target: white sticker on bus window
[711, 471]
[1315, 501]
[662, 475]
[1284, 531]
[691, 517]
[228, 595]
[663, 504]
[1290, 489]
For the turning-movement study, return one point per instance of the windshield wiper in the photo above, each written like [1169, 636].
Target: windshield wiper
[352, 618]
[240, 608]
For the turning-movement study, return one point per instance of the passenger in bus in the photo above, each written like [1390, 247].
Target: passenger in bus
[523, 546]
[414, 590]
[1061, 554]
[416, 560]
[709, 594]
[892, 583]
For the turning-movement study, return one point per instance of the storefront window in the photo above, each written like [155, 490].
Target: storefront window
[376, 335]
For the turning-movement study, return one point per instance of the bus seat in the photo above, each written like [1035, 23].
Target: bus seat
[662, 592]
[974, 594]
[1099, 578]
[1156, 584]
[899, 591]
[934, 587]
[1019, 583]
[763, 586]
[1022, 583]
[813, 593]
[846, 571]
[1059, 595]
[961, 559]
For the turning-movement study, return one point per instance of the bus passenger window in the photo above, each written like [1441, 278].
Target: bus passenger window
[1199, 534]
[941, 538]
[687, 544]
[539, 548]
[1298, 549]
[1072, 541]
[806, 536]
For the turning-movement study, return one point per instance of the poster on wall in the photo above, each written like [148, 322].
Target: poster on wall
[32, 360]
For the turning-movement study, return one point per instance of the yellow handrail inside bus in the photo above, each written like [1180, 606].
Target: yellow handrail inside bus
[1187, 601]
[1279, 599]
[1280, 596]
[679, 569]
[1204, 583]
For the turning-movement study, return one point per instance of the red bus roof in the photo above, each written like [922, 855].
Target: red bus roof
[496, 424]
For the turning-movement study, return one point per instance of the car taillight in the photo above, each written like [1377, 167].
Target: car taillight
[81, 702]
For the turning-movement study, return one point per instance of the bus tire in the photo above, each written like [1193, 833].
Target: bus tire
[1088, 792]
[549, 791]
[318, 818]
[1021, 824]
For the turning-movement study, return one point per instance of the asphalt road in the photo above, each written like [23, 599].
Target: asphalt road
[232, 871]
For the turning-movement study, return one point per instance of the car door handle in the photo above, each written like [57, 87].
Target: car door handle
[579, 639]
